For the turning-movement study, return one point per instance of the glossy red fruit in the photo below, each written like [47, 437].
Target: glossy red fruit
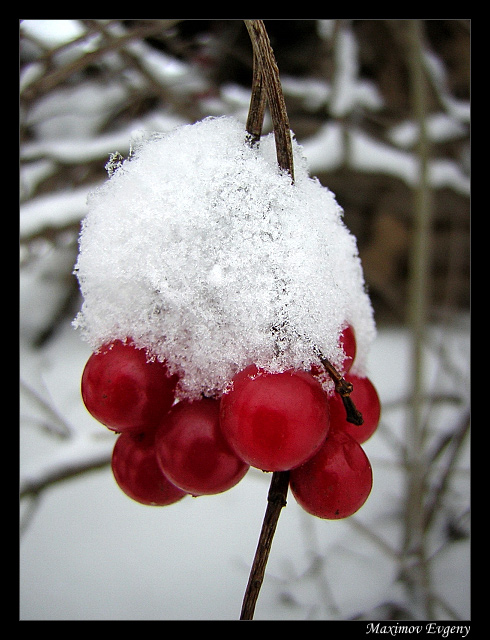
[366, 400]
[137, 472]
[124, 391]
[274, 421]
[192, 451]
[336, 481]
[348, 342]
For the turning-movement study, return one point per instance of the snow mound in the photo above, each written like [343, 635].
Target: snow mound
[200, 249]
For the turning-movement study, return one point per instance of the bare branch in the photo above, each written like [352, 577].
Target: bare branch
[276, 500]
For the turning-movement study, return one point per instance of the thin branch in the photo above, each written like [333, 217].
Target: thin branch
[384, 546]
[57, 425]
[455, 448]
[32, 485]
[276, 500]
[266, 82]
[344, 389]
[256, 110]
[415, 541]
[29, 512]
[52, 79]
[268, 75]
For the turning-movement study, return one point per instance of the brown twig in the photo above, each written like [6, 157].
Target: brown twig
[256, 110]
[266, 85]
[266, 78]
[344, 389]
[276, 500]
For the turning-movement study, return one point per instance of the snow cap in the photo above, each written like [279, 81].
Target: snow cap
[201, 250]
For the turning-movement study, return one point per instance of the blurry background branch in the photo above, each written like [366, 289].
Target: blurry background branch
[419, 294]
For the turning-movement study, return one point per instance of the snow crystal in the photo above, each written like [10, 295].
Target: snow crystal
[202, 251]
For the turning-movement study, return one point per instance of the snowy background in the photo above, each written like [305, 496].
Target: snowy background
[89, 553]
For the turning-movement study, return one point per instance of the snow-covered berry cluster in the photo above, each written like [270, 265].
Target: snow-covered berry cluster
[213, 289]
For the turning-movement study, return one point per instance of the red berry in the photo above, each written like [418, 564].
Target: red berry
[274, 421]
[124, 391]
[348, 342]
[192, 451]
[138, 473]
[336, 481]
[366, 400]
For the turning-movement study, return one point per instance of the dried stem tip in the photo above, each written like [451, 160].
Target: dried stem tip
[344, 389]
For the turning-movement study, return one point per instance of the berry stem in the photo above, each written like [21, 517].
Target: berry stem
[344, 389]
[266, 81]
[266, 87]
[276, 500]
[256, 110]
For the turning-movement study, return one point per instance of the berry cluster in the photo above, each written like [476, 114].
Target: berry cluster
[167, 449]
